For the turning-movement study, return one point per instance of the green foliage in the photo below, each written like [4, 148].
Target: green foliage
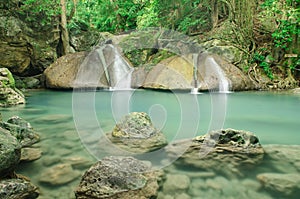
[45, 10]
[261, 60]
[287, 14]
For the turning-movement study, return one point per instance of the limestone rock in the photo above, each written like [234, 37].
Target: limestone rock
[62, 73]
[9, 94]
[10, 152]
[22, 130]
[26, 49]
[118, 177]
[177, 73]
[285, 184]
[136, 133]
[17, 189]
[59, 174]
[30, 154]
[172, 73]
[176, 183]
[224, 151]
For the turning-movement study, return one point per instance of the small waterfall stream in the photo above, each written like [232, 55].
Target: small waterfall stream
[120, 73]
[216, 70]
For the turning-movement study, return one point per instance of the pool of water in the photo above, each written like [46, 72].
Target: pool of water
[63, 119]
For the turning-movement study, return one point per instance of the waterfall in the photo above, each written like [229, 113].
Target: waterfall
[213, 69]
[120, 73]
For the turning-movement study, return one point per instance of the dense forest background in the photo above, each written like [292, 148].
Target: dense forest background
[267, 31]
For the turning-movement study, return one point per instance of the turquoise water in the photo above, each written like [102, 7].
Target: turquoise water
[62, 117]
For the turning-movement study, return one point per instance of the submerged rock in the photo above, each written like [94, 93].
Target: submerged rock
[224, 151]
[118, 177]
[22, 130]
[59, 174]
[17, 189]
[285, 184]
[9, 94]
[10, 153]
[30, 154]
[136, 133]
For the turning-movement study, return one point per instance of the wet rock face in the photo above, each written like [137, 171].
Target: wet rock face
[224, 151]
[22, 130]
[10, 153]
[118, 177]
[136, 133]
[9, 94]
[17, 189]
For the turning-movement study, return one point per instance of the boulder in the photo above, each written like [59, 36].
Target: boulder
[9, 94]
[62, 73]
[118, 177]
[17, 189]
[136, 133]
[10, 153]
[170, 74]
[228, 151]
[22, 130]
[284, 184]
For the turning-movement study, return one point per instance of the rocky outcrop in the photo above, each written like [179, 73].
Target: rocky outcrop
[224, 151]
[9, 94]
[26, 50]
[119, 177]
[17, 189]
[136, 133]
[15, 134]
[22, 130]
[10, 153]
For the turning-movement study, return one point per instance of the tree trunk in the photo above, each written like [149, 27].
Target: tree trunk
[64, 31]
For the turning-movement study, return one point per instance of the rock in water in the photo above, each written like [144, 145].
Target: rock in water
[224, 151]
[22, 130]
[136, 133]
[10, 153]
[9, 94]
[118, 177]
[284, 184]
[17, 189]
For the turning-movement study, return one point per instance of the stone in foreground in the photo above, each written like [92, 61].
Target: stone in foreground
[10, 153]
[118, 177]
[17, 189]
[229, 151]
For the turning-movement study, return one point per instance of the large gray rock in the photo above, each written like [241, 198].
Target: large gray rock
[62, 73]
[9, 94]
[229, 151]
[118, 177]
[136, 133]
[285, 184]
[17, 189]
[22, 130]
[10, 153]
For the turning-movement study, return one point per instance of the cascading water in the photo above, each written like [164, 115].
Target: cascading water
[120, 73]
[213, 68]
